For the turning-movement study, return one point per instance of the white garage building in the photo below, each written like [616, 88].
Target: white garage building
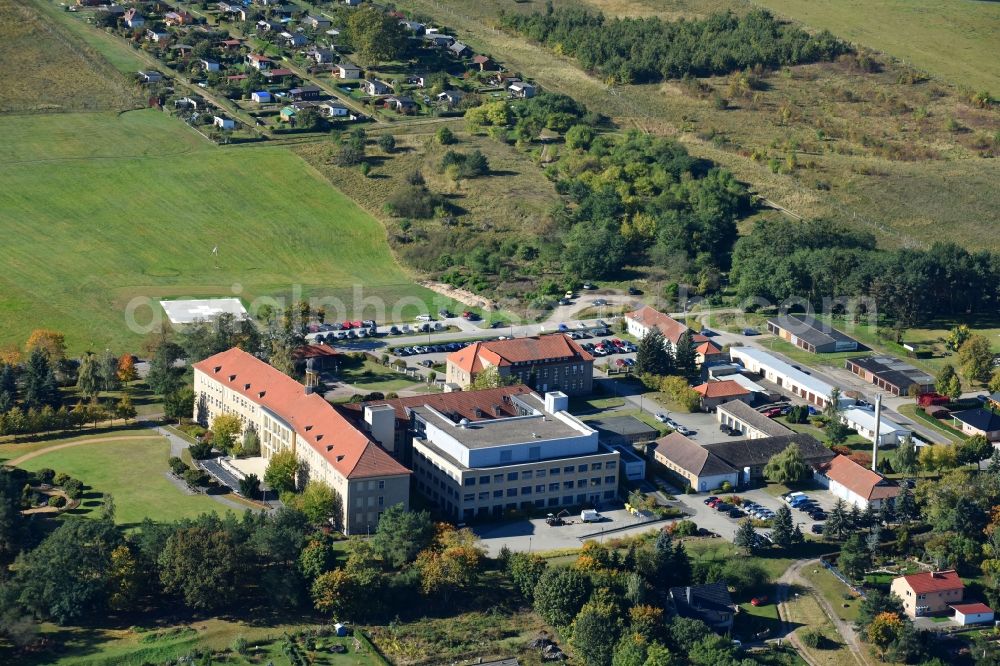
[855, 484]
[793, 380]
[976, 613]
[890, 433]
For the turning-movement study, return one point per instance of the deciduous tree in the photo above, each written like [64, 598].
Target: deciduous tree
[281, 472]
[202, 566]
[786, 466]
[225, 429]
[976, 358]
[375, 36]
[560, 594]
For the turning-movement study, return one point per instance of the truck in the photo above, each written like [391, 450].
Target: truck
[590, 516]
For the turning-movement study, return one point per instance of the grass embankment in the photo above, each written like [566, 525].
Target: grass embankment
[44, 67]
[134, 471]
[884, 148]
[282, 231]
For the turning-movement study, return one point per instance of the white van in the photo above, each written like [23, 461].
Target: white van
[590, 516]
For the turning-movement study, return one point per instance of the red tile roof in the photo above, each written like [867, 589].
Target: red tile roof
[969, 609]
[314, 351]
[472, 405]
[538, 349]
[724, 389]
[708, 348]
[860, 480]
[281, 71]
[670, 328]
[315, 420]
[934, 581]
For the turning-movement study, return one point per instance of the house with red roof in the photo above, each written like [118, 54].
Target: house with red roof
[288, 416]
[640, 322]
[544, 363]
[972, 613]
[928, 593]
[855, 484]
[715, 393]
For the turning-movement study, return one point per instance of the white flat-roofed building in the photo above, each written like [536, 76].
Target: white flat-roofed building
[541, 458]
[798, 383]
[863, 420]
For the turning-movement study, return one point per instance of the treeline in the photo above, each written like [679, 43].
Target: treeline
[781, 259]
[647, 50]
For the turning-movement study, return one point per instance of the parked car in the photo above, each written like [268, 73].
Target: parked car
[723, 507]
[444, 314]
[735, 513]
[818, 515]
[662, 418]
[633, 291]
[709, 500]
[564, 301]
[759, 601]
[600, 301]
[687, 432]
[588, 286]
[773, 412]
[708, 333]
[470, 316]
[425, 317]
[817, 528]
[751, 331]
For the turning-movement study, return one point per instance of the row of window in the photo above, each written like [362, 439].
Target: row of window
[525, 475]
[538, 489]
[498, 509]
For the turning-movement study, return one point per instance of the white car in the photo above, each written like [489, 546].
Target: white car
[425, 317]
[683, 430]
[662, 418]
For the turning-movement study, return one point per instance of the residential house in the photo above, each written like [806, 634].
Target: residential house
[716, 393]
[375, 87]
[178, 18]
[259, 62]
[413, 26]
[401, 104]
[743, 418]
[346, 70]
[334, 110]
[855, 484]
[223, 122]
[973, 613]
[288, 416]
[192, 102]
[261, 97]
[268, 26]
[438, 40]
[700, 468]
[317, 22]
[294, 39]
[323, 56]
[230, 44]
[209, 65]
[451, 97]
[133, 18]
[543, 458]
[483, 62]
[979, 421]
[928, 593]
[522, 90]
[709, 602]
[811, 334]
[750, 456]
[791, 378]
[459, 50]
[157, 36]
[304, 93]
[150, 76]
[890, 374]
[277, 74]
[545, 363]
[863, 421]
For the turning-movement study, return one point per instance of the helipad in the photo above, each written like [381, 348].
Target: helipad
[188, 312]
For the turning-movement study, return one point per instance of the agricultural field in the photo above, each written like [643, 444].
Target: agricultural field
[865, 145]
[132, 470]
[165, 198]
[45, 68]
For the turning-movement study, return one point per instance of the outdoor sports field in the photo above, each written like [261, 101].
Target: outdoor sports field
[97, 209]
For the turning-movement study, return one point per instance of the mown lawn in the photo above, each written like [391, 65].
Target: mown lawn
[835, 592]
[134, 471]
[99, 211]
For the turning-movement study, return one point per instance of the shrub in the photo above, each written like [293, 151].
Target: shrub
[684, 528]
[466, 166]
[58, 501]
[73, 488]
[413, 201]
[445, 136]
[45, 475]
[61, 478]
[200, 450]
[195, 477]
[177, 466]
[387, 143]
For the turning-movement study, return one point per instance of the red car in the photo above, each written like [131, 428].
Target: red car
[759, 601]
[773, 412]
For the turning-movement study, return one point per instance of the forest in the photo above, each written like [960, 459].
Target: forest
[781, 259]
[647, 50]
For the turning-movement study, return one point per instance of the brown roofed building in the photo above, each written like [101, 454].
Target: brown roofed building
[753, 454]
[928, 593]
[716, 393]
[544, 363]
[642, 321]
[288, 416]
[702, 469]
[856, 484]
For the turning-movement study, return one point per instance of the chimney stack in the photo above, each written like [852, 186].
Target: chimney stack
[878, 427]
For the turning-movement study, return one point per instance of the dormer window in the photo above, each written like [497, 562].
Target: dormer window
[216, 369]
[232, 378]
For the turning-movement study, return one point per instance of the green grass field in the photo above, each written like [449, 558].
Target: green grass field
[100, 209]
[132, 471]
[956, 41]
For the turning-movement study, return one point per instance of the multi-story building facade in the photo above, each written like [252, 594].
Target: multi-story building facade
[540, 458]
[544, 363]
[288, 416]
[640, 322]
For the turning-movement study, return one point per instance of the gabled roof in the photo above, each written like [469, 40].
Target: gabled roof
[314, 420]
[671, 329]
[709, 602]
[537, 349]
[724, 389]
[934, 581]
[744, 412]
[754, 452]
[810, 329]
[979, 418]
[691, 456]
[314, 351]
[969, 609]
[859, 480]
[480, 59]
